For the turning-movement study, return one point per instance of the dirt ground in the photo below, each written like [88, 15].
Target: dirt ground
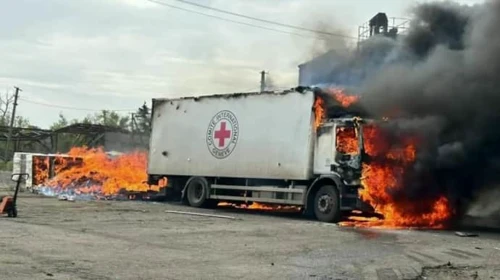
[54, 239]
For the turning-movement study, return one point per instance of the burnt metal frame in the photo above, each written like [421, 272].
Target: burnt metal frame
[37, 135]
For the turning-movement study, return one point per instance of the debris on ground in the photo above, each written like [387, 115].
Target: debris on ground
[466, 234]
[66, 197]
[450, 272]
[202, 215]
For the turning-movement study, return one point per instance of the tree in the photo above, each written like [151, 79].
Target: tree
[143, 119]
[60, 123]
[66, 141]
[23, 122]
[6, 106]
[6, 102]
[110, 118]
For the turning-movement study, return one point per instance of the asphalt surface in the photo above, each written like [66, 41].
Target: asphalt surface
[54, 239]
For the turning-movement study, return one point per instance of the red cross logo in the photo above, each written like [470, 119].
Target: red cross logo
[222, 134]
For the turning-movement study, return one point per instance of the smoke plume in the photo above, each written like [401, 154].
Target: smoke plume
[443, 79]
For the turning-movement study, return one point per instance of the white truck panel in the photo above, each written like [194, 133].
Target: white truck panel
[23, 163]
[267, 135]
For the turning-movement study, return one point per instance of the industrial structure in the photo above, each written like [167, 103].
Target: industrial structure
[333, 67]
[35, 140]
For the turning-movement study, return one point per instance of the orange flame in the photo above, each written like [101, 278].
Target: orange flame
[319, 112]
[383, 176]
[260, 206]
[40, 169]
[341, 97]
[347, 141]
[93, 171]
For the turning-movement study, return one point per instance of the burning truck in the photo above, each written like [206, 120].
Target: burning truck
[312, 150]
[271, 147]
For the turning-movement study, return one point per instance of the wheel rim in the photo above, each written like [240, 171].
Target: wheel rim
[325, 203]
[197, 192]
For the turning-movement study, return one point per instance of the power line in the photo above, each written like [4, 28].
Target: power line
[75, 108]
[264, 20]
[235, 21]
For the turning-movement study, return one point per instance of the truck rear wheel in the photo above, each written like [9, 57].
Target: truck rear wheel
[197, 191]
[326, 204]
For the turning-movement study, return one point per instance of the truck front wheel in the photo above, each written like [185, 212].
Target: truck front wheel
[326, 204]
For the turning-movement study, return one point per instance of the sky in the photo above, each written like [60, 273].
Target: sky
[77, 57]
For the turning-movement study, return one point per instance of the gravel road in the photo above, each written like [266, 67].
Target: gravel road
[54, 239]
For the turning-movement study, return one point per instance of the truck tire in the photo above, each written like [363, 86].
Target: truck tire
[327, 204]
[196, 192]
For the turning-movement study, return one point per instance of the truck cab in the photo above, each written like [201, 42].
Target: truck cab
[338, 157]
[339, 149]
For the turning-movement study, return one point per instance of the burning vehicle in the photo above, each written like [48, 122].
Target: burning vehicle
[251, 148]
[326, 156]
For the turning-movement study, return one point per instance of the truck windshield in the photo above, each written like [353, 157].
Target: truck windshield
[347, 140]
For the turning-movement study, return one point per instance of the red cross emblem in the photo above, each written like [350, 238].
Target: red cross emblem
[222, 134]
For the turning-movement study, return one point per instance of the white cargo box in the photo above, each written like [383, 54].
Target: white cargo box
[255, 135]
[23, 163]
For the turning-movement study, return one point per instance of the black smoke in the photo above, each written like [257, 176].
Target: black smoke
[445, 88]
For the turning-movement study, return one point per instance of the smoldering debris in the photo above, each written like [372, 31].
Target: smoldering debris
[78, 193]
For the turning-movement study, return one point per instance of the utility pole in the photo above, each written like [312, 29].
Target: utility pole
[11, 127]
[132, 122]
[262, 81]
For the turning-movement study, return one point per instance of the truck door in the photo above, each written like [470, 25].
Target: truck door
[348, 149]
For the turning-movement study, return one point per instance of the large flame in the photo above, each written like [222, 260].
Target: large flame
[347, 141]
[319, 111]
[382, 178]
[40, 169]
[92, 171]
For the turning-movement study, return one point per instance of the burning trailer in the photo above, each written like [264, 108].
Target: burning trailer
[273, 148]
[42, 167]
[88, 174]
